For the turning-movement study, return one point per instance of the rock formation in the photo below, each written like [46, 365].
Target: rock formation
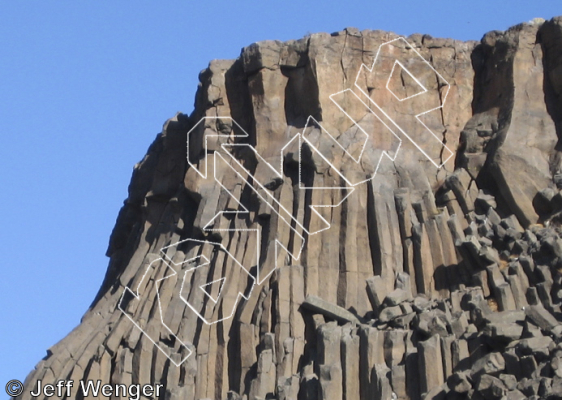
[406, 281]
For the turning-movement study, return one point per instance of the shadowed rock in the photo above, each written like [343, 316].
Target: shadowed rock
[421, 282]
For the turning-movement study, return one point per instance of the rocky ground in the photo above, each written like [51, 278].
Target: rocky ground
[421, 283]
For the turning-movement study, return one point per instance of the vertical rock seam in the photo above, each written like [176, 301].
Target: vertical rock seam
[430, 283]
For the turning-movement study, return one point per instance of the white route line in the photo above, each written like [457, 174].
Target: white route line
[136, 296]
[213, 299]
[230, 161]
[184, 298]
[358, 86]
[411, 76]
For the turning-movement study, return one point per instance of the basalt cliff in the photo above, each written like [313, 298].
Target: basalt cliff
[346, 216]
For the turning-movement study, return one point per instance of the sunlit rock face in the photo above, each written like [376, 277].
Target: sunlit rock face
[345, 216]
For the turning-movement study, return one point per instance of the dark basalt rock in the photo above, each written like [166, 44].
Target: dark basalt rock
[428, 283]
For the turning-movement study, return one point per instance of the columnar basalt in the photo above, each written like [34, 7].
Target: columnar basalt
[430, 282]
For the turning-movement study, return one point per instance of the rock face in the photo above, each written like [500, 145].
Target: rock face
[305, 244]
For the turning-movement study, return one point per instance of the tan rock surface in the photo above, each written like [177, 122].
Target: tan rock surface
[250, 293]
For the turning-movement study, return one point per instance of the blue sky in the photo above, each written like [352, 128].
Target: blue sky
[87, 85]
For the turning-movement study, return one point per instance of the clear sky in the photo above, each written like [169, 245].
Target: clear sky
[85, 87]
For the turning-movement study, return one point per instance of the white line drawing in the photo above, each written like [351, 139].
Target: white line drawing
[441, 81]
[424, 89]
[136, 296]
[222, 280]
[223, 155]
[215, 298]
